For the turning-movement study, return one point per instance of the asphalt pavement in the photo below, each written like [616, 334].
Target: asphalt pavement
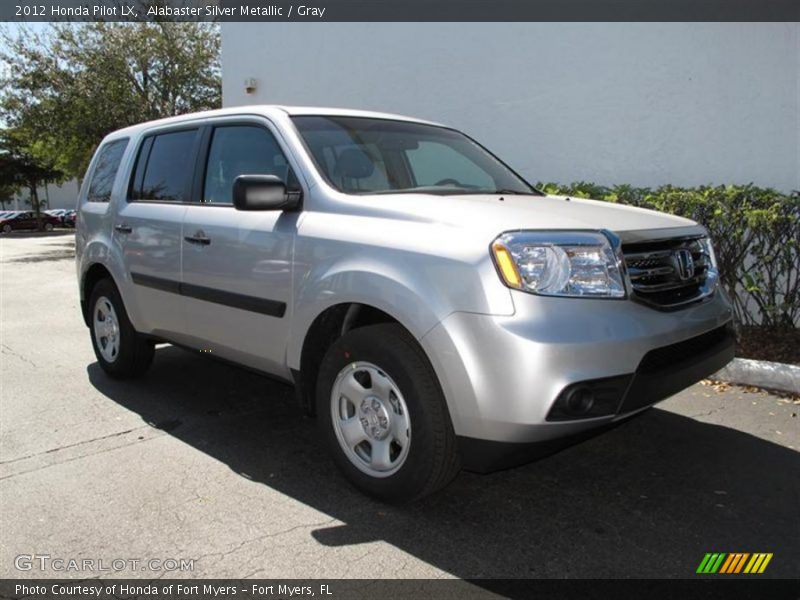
[203, 462]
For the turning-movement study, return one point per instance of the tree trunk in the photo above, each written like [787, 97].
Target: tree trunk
[35, 205]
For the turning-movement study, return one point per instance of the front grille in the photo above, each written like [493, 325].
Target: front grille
[668, 274]
[668, 370]
[668, 357]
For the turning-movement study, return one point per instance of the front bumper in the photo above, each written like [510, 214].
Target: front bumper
[503, 375]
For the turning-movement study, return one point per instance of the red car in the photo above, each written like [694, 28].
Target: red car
[27, 220]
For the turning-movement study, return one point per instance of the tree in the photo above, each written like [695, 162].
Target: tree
[74, 83]
[6, 195]
[20, 167]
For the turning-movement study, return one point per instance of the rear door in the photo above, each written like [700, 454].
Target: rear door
[237, 266]
[147, 227]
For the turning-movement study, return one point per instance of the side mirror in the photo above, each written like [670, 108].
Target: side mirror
[263, 192]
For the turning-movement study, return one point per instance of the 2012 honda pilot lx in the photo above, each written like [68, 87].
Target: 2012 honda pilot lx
[432, 308]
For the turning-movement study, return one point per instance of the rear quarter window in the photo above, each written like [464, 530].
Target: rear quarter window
[109, 158]
[164, 167]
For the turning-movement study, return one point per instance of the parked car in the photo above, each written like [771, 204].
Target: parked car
[27, 220]
[68, 218]
[432, 308]
[58, 213]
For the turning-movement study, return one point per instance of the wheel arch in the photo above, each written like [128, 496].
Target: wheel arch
[96, 272]
[328, 326]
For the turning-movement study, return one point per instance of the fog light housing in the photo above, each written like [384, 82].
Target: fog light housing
[579, 400]
[589, 399]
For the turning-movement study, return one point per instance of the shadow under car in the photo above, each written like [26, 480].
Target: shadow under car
[646, 499]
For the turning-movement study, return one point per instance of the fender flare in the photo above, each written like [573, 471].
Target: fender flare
[386, 293]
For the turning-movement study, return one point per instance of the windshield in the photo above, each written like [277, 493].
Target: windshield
[360, 155]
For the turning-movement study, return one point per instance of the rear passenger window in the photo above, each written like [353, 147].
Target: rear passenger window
[164, 167]
[242, 150]
[108, 161]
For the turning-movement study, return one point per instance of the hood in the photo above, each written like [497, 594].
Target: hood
[494, 213]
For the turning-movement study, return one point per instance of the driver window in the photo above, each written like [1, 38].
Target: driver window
[242, 150]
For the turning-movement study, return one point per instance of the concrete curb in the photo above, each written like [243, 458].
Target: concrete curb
[761, 373]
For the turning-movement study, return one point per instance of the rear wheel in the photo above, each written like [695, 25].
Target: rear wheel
[384, 416]
[121, 351]
[48, 227]
[6, 228]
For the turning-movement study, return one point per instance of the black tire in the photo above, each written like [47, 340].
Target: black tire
[135, 352]
[48, 227]
[432, 458]
[7, 228]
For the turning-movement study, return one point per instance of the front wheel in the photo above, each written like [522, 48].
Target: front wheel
[384, 416]
[48, 227]
[121, 351]
[6, 228]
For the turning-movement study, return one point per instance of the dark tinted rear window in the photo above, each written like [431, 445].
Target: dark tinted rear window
[164, 167]
[108, 161]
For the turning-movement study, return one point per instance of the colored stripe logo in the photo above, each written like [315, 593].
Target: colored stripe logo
[734, 563]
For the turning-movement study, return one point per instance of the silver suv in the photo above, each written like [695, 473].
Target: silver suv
[431, 308]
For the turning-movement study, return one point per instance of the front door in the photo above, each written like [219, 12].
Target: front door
[237, 266]
[26, 220]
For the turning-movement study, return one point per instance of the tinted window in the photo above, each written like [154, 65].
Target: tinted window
[164, 167]
[105, 172]
[429, 160]
[242, 150]
[358, 176]
[365, 155]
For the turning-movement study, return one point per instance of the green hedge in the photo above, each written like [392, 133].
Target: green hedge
[756, 234]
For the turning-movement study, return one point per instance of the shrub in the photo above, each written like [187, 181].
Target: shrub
[756, 233]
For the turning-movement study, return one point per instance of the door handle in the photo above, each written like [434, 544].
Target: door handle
[123, 228]
[198, 238]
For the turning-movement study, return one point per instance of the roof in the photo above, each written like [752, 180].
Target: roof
[347, 112]
[266, 110]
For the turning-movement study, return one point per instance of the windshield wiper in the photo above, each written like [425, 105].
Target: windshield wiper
[508, 192]
[449, 191]
[431, 189]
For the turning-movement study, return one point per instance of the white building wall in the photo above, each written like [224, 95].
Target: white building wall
[64, 195]
[639, 103]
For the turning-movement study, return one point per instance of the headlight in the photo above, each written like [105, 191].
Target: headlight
[553, 263]
[712, 271]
